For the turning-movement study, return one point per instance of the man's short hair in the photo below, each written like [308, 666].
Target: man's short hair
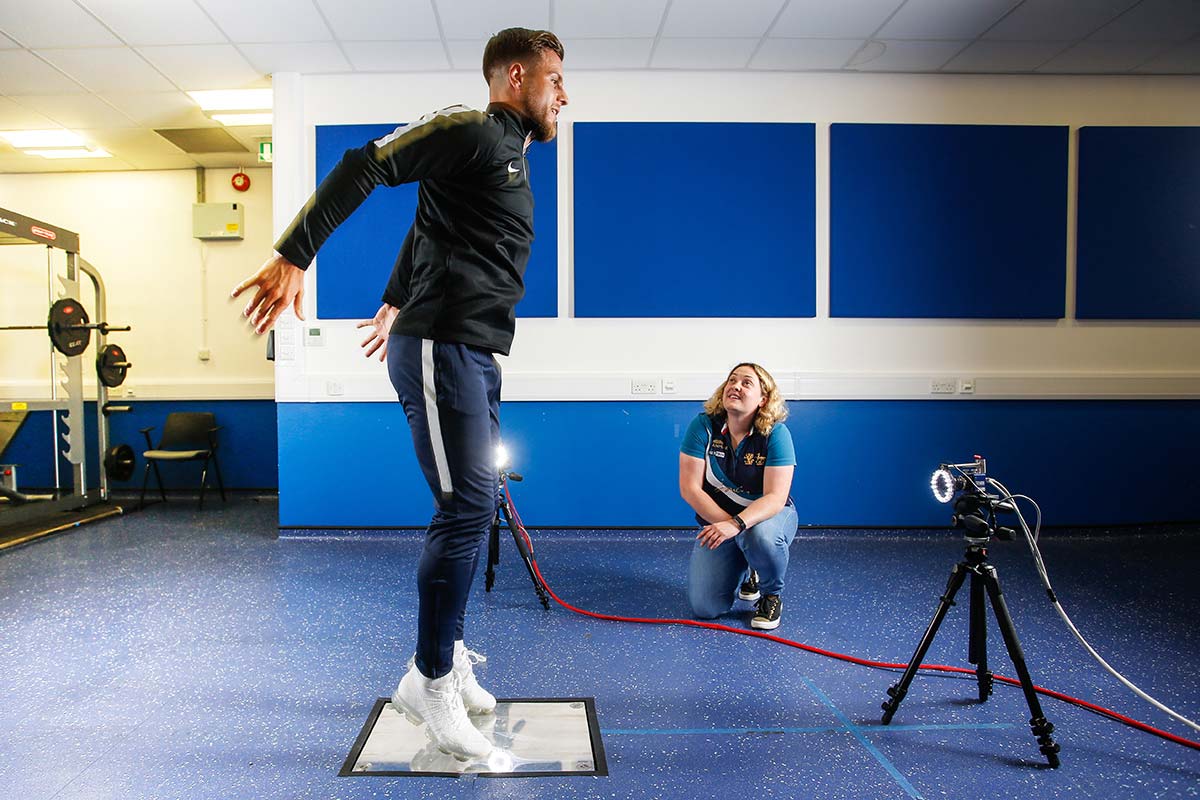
[517, 44]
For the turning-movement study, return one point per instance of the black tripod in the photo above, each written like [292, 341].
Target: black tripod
[983, 577]
[504, 507]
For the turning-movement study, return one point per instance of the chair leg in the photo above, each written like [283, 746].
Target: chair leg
[158, 477]
[220, 483]
[145, 480]
[203, 482]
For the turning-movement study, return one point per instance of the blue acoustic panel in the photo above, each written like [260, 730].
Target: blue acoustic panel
[355, 262]
[614, 464]
[694, 219]
[1139, 223]
[948, 221]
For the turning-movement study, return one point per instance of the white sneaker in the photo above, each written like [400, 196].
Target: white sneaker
[437, 703]
[477, 699]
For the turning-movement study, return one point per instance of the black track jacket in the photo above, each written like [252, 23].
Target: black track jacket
[460, 271]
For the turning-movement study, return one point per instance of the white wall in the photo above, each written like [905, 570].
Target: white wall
[136, 229]
[568, 358]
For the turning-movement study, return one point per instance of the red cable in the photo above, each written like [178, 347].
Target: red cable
[1102, 711]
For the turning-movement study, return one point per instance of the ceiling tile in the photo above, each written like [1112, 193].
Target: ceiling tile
[944, 19]
[158, 22]
[1103, 57]
[53, 23]
[370, 20]
[21, 72]
[125, 143]
[309, 57]
[397, 56]
[1153, 20]
[203, 66]
[847, 19]
[703, 53]
[805, 54]
[615, 18]
[268, 20]
[712, 18]
[910, 56]
[140, 159]
[108, 68]
[479, 19]
[1056, 20]
[158, 109]
[606, 54]
[994, 57]
[1183, 59]
[16, 117]
[468, 54]
[77, 111]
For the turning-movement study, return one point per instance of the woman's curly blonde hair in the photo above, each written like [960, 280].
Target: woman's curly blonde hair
[775, 410]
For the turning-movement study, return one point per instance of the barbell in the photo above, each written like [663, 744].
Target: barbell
[68, 326]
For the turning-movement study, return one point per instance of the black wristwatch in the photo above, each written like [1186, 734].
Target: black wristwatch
[741, 523]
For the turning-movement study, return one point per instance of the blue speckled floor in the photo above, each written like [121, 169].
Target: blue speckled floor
[177, 654]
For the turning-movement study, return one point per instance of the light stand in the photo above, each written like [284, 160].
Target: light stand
[505, 509]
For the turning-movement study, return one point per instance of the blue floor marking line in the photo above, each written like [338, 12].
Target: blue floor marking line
[982, 726]
[864, 741]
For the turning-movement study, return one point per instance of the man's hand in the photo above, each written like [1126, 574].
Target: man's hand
[381, 326]
[711, 536]
[280, 284]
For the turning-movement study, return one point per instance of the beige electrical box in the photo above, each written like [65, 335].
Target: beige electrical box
[218, 220]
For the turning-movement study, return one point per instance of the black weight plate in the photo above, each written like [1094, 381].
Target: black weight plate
[119, 462]
[111, 366]
[65, 316]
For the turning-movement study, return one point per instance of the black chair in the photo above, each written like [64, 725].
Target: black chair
[187, 436]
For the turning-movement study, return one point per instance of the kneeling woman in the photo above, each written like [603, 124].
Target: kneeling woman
[735, 470]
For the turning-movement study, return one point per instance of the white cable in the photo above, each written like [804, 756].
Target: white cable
[1040, 565]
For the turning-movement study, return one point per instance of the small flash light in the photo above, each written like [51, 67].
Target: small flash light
[501, 456]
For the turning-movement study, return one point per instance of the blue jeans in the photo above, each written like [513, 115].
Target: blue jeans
[715, 575]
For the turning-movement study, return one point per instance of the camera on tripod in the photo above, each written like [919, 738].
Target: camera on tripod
[975, 509]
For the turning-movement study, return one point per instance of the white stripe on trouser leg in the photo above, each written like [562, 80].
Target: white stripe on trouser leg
[431, 418]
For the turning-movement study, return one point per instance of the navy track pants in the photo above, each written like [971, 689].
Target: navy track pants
[451, 396]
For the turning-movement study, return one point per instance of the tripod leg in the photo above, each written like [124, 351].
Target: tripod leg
[527, 558]
[977, 648]
[897, 690]
[493, 554]
[1038, 724]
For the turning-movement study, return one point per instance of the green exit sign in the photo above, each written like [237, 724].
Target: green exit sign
[265, 154]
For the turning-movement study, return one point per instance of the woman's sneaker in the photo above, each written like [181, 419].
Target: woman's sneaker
[436, 703]
[766, 618]
[749, 588]
[477, 699]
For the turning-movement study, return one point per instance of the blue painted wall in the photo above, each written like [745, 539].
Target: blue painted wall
[614, 464]
[862, 463]
[248, 447]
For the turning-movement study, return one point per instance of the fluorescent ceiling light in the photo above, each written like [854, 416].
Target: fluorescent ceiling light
[258, 118]
[233, 99]
[59, 137]
[69, 152]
